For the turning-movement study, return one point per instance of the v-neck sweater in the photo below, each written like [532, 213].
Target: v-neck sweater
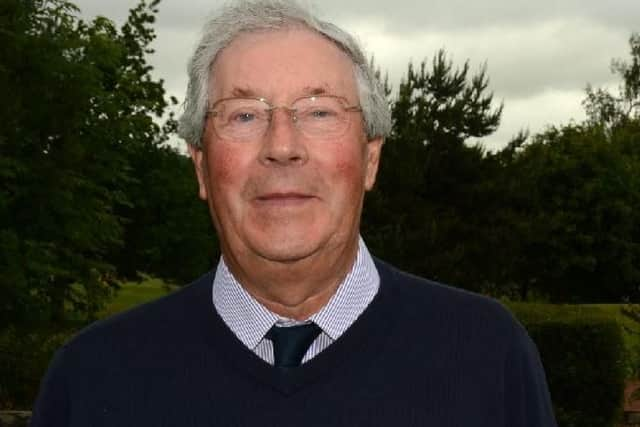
[421, 354]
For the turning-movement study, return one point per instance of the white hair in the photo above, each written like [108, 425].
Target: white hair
[264, 15]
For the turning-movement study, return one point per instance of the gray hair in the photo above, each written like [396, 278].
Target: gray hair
[263, 15]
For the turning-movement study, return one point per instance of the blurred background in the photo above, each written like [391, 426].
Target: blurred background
[512, 170]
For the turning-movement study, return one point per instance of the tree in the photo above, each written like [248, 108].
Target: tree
[78, 99]
[168, 232]
[423, 212]
[574, 194]
[609, 110]
[579, 227]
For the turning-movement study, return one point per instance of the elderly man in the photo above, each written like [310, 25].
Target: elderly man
[298, 325]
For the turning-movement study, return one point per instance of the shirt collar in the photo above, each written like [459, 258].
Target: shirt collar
[250, 321]
[352, 296]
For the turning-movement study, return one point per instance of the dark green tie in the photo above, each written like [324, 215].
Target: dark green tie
[290, 343]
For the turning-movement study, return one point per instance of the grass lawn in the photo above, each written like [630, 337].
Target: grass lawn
[132, 294]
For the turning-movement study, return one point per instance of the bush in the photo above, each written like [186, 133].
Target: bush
[584, 356]
[24, 357]
[630, 321]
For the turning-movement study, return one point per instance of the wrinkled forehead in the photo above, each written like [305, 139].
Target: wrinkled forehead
[281, 64]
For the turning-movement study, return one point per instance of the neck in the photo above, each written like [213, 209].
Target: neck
[296, 290]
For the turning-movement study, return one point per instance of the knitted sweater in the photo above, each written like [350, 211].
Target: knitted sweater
[421, 354]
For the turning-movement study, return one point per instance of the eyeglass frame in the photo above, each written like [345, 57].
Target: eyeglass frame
[291, 111]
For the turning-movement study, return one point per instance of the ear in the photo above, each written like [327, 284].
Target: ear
[197, 156]
[372, 160]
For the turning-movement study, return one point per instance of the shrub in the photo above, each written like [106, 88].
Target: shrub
[24, 357]
[584, 358]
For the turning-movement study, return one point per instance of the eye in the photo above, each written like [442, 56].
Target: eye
[242, 117]
[320, 113]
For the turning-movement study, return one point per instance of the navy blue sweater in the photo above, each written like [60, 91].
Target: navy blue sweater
[422, 354]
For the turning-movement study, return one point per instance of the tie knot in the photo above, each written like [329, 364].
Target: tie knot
[290, 343]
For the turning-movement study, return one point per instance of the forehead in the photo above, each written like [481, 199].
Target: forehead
[281, 65]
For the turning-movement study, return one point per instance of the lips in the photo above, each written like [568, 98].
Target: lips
[284, 195]
[288, 197]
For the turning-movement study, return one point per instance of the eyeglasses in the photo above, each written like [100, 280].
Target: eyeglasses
[247, 119]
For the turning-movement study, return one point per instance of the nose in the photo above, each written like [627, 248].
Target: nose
[283, 145]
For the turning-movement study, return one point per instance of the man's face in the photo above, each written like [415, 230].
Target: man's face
[284, 197]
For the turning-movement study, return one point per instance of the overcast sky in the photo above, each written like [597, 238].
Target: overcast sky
[540, 55]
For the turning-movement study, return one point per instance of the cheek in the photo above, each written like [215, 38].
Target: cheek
[349, 167]
[228, 168]
[223, 162]
[221, 166]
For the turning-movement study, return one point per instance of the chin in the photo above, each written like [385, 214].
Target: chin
[286, 252]
[287, 247]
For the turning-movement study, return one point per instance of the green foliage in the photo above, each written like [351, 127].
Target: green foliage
[571, 203]
[630, 323]
[168, 232]
[422, 214]
[604, 108]
[553, 216]
[583, 352]
[79, 100]
[579, 206]
[26, 350]
[24, 357]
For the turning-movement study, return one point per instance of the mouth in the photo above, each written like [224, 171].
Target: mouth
[284, 198]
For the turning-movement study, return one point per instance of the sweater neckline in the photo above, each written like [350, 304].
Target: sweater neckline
[361, 341]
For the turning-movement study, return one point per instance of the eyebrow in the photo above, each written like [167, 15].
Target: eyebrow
[318, 90]
[245, 92]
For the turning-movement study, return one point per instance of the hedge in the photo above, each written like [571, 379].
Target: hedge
[586, 362]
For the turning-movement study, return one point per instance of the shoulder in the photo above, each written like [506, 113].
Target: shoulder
[469, 336]
[157, 321]
[449, 310]
[129, 348]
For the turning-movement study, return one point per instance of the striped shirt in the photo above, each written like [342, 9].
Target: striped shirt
[250, 321]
